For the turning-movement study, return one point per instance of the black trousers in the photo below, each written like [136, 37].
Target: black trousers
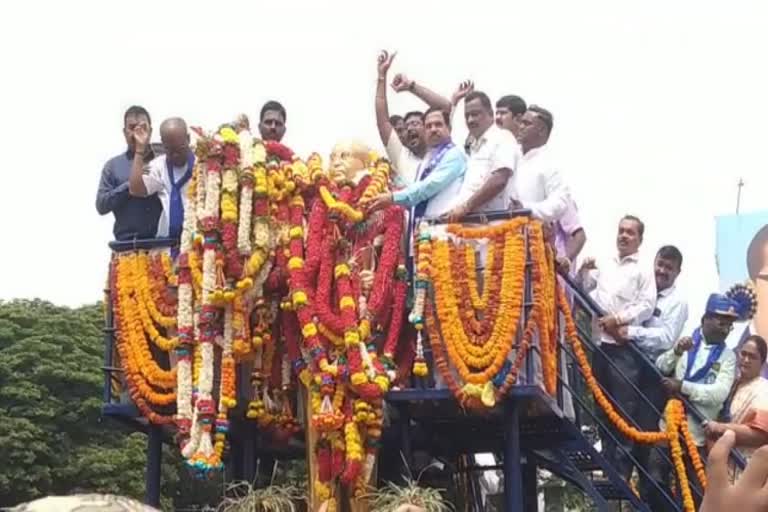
[617, 381]
[648, 419]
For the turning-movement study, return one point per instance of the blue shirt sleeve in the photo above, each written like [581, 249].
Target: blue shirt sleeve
[451, 167]
[111, 194]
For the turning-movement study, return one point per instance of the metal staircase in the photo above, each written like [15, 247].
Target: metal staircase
[531, 430]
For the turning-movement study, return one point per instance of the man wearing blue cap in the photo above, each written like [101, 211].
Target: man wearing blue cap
[702, 369]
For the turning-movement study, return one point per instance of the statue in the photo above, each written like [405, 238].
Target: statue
[350, 160]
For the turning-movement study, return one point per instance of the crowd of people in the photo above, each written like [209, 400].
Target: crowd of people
[505, 164]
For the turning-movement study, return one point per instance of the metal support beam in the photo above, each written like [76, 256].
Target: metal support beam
[249, 452]
[154, 463]
[530, 487]
[405, 437]
[513, 474]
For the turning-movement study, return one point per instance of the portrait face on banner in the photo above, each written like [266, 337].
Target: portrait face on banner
[742, 256]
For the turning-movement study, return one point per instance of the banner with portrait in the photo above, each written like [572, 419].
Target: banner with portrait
[742, 256]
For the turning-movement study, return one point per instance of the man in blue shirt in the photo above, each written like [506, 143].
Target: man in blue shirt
[438, 178]
[135, 217]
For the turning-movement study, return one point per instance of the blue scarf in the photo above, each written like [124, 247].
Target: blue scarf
[176, 213]
[714, 355]
[437, 156]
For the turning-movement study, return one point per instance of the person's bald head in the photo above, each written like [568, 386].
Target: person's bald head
[175, 138]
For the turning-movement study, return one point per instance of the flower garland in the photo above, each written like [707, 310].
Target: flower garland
[149, 385]
[479, 362]
[674, 413]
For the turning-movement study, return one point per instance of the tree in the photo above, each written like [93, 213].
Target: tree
[53, 439]
[51, 434]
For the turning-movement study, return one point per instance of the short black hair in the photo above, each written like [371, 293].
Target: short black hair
[446, 115]
[762, 347]
[545, 115]
[273, 105]
[413, 113]
[513, 103]
[136, 110]
[485, 101]
[640, 224]
[671, 253]
[755, 252]
[394, 119]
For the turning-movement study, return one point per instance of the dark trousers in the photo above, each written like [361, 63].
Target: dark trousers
[648, 419]
[617, 381]
[661, 471]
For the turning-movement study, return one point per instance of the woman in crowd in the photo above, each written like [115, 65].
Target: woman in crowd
[748, 400]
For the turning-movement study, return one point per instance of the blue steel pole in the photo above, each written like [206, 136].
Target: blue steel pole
[109, 340]
[154, 463]
[513, 474]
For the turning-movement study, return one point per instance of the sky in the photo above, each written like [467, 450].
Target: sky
[659, 106]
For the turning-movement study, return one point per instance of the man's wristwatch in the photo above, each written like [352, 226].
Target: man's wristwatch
[412, 85]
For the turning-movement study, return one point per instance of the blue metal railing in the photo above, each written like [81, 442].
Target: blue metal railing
[597, 311]
[119, 246]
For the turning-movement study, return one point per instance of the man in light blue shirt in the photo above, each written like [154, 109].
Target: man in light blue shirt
[438, 178]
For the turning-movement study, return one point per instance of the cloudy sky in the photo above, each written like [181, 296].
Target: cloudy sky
[659, 107]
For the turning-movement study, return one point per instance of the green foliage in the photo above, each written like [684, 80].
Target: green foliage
[53, 440]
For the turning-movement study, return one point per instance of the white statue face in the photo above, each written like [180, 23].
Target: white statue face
[347, 160]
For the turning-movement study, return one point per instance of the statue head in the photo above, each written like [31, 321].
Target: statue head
[349, 161]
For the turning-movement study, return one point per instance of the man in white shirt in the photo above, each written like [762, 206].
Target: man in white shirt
[493, 158]
[509, 111]
[406, 151]
[167, 175]
[538, 185]
[654, 337]
[624, 287]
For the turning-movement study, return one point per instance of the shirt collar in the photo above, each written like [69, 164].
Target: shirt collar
[667, 291]
[476, 143]
[534, 152]
[635, 257]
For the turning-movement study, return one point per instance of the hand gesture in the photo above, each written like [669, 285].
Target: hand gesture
[455, 215]
[714, 429]
[588, 264]
[384, 62]
[563, 264]
[380, 202]
[683, 345]
[401, 82]
[749, 493]
[141, 137]
[673, 386]
[465, 87]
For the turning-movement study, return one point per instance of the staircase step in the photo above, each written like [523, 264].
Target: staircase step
[582, 460]
[607, 490]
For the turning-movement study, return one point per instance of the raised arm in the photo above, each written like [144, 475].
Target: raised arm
[382, 107]
[136, 184]
[402, 83]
